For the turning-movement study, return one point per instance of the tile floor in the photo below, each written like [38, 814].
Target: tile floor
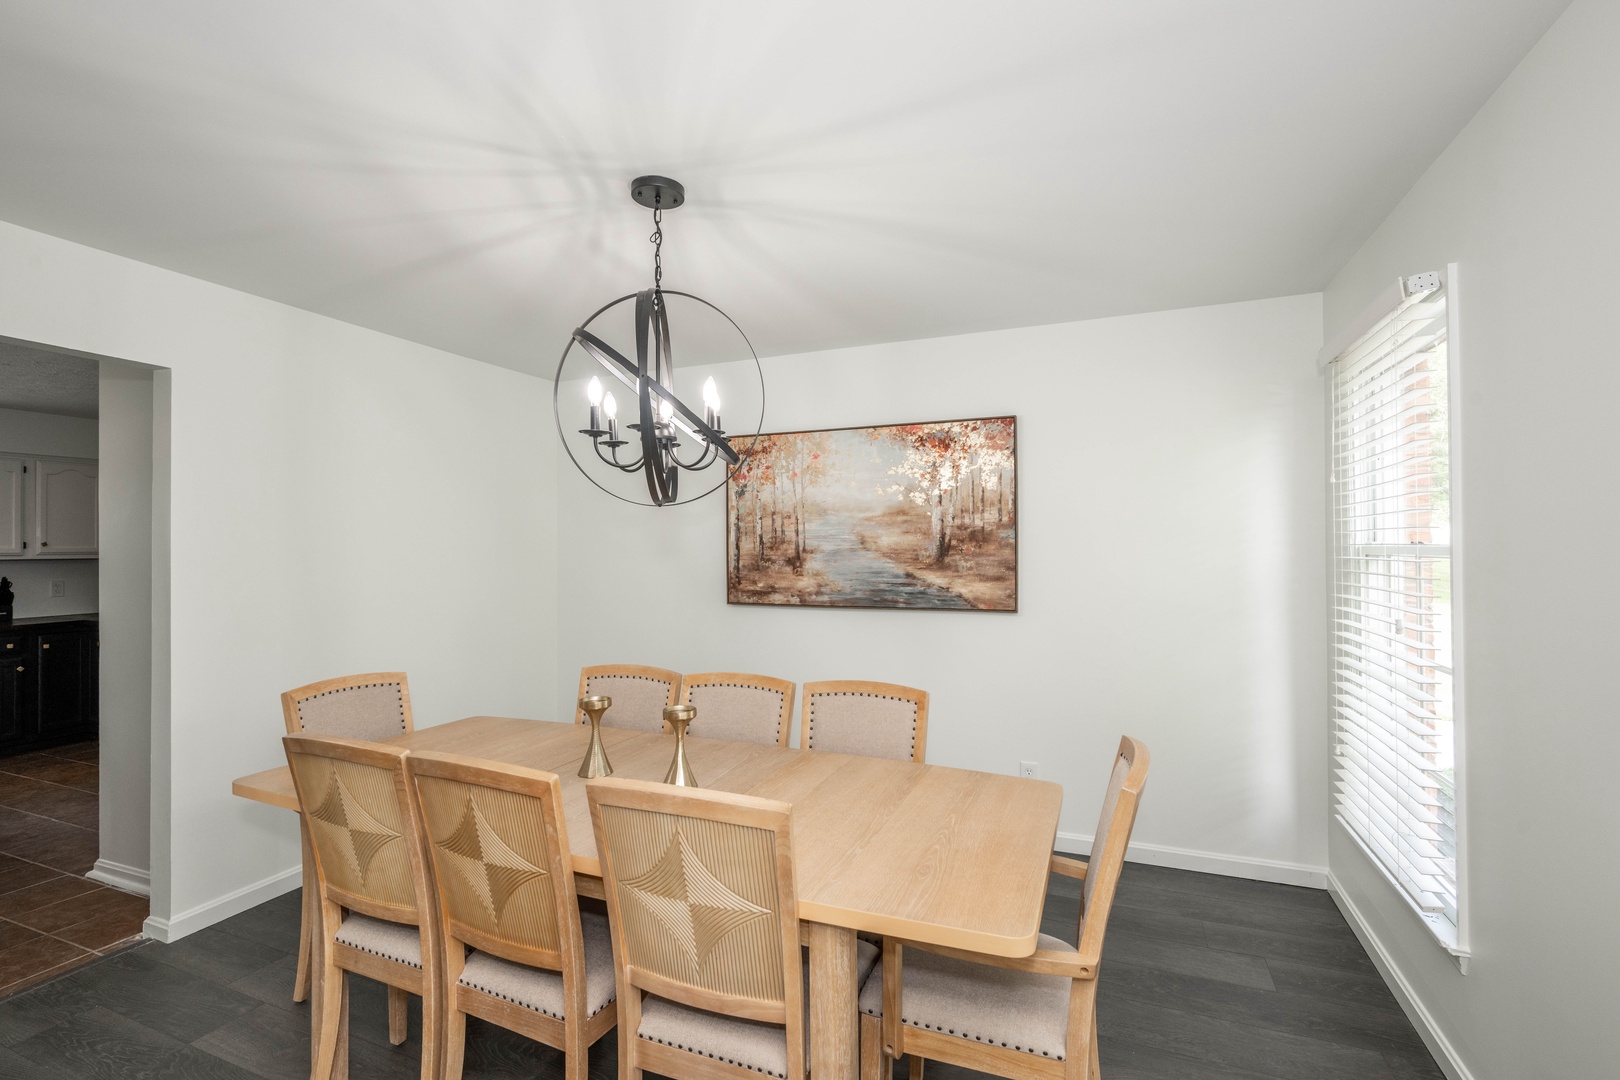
[52, 917]
[1203, 978]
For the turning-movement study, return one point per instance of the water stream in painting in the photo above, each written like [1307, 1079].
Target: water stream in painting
[859, 577]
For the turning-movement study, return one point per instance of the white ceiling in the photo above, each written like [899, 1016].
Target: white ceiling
[35, 380]
[858, 171]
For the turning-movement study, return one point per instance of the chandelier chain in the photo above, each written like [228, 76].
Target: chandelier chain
[657, 239]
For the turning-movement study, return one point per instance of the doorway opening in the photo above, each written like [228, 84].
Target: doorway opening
[78, 446]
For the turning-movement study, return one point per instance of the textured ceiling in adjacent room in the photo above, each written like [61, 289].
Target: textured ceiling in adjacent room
[39, 381]
[858, 172]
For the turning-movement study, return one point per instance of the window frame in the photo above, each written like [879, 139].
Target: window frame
[1453, 937]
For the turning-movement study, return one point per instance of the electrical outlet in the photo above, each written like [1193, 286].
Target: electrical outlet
[58, 588]
[1027, 768]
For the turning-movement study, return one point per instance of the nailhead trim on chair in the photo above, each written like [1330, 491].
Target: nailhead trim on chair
[967, 1035]
[715, 1057]
[345, 689]
[810, 735]
[524, 1004]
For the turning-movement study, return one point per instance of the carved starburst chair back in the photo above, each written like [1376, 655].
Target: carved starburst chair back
[639, 694]
[351, 793]
[700, 894]
[498, 843]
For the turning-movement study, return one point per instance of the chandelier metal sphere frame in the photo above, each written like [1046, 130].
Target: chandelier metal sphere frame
[662, 419]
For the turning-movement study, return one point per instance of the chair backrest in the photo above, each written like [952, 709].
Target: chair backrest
[739, 707]
[639, 694]
[497, 843]
[372, 707]
[353, 795]
[873, 719]
[701, 899]
[1113, 836]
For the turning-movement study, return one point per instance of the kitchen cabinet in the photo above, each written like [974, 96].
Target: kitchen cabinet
[49, 508]
[11, 506]
[50, 685]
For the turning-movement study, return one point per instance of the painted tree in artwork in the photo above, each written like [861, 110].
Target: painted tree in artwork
[750, 483]
[952, 469]
[801, 463]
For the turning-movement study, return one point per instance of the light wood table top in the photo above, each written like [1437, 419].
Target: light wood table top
[924, 852]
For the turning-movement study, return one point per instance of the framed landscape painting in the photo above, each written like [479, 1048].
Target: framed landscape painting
[920, 516]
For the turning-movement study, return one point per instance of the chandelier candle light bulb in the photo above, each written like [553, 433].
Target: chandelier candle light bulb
[612, 409]
[711, 403]
[593, 394]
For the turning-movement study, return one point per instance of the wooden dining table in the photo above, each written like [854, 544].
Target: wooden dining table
[923, 852]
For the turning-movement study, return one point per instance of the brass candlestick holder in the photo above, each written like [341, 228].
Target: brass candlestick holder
[596, 761]
[680, 770]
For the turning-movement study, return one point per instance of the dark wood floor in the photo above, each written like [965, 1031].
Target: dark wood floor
[51, 916]
[1204, 978]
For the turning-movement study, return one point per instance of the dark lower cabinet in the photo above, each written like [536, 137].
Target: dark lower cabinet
[49, 684]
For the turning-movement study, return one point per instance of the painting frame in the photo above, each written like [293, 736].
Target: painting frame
[741, 592]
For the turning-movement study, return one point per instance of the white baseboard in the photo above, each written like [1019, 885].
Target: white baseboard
[216, 910]
[130, 879]
[1208, 862]
[1445, 1054]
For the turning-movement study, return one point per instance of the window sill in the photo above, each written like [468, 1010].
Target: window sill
[1440, 929]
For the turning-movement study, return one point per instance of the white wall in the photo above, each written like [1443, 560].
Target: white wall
[1525, 201]
[338, 501]
[1171, 572]
[48, 435]
[125, 491]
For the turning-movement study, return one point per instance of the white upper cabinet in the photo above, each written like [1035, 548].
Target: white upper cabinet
[66, 518]
[11, 506]
[48, 509]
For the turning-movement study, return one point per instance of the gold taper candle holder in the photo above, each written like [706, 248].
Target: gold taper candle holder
[680, 769]
[596, 761]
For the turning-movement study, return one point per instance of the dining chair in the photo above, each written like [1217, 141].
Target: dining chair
[873, 719]
[372, 707]
[1026, 1018]
[639, 694]
[700, 893]
[738, 707]
[503, 876]
[375, 911]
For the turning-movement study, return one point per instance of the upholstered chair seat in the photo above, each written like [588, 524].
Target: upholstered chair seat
[542, 990]
[379, 937]
[753, 1045]
[1013, 1009]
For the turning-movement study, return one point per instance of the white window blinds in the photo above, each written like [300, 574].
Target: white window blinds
[1394, 774]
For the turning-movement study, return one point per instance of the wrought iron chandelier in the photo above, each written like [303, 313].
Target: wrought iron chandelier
[663, 424]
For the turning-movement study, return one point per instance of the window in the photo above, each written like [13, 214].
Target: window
[1391, 627]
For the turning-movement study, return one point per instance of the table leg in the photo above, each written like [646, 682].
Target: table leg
[834, 1016]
